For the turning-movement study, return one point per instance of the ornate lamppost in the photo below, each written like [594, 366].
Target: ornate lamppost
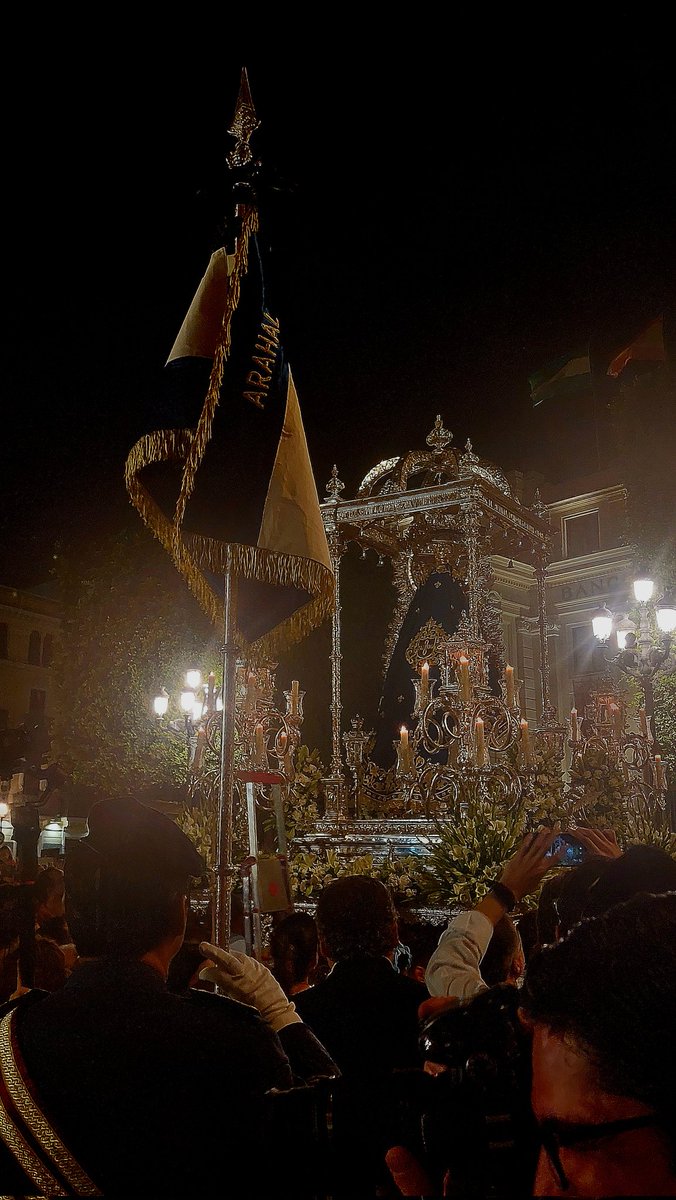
[198, 700]
[645, 643]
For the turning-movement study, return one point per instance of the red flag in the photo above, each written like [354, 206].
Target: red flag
[647, 347]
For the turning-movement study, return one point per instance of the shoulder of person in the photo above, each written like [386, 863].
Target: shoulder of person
[23, 1002]
[214, 1004]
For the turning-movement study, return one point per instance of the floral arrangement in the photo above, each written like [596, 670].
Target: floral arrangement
[598, 790]
[301, 808]
[309, 873]
[474, 844]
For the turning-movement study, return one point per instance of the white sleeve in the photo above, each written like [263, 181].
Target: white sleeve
[453, 969]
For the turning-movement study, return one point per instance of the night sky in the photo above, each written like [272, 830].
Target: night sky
[454, 216]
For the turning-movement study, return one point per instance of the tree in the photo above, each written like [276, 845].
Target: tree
[130, 627]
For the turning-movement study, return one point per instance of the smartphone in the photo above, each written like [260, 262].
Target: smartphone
[575, 852]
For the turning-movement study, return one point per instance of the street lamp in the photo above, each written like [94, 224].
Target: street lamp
[197, 701]
[645, 646]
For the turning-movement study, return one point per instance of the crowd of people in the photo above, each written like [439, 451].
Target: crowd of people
[373, 1056]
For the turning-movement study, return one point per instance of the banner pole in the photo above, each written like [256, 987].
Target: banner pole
[225, 869]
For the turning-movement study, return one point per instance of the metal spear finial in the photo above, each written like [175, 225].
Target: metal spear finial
[244, 125]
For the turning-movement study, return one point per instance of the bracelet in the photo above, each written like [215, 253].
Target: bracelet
[504, 895]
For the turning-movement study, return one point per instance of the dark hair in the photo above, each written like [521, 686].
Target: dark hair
[110, 913]
[356, 918]
[611, 986]
[548, 917]
[499, 956]
[639, 869]
[293, 946]
[577, 887]
[50, 880]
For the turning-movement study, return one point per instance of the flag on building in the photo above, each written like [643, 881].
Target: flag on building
[566, 376]
[227, 483]
[647, 347]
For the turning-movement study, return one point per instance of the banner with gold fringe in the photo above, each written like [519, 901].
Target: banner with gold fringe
[229, 486]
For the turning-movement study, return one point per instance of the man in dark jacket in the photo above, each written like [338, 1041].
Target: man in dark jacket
[366, 1015]
[146, 1089]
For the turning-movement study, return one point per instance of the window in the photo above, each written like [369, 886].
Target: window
[3, 640]
[36, 705]
[581, 534]
[34, 645]
[47, 650]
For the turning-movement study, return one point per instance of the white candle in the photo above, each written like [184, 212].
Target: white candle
[464, 679]
[574, 730]
[509, 684]
[403, 737]
[425, 682]
[294, 697]
[281, 742]
[251, 693]
[480, 742]
[659, 772]
[525, 744]
[616, 718]
[259, 746]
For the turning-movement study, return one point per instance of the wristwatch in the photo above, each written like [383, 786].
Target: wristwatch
[504, 895]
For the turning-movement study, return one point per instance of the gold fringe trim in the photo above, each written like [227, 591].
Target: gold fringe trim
[202, 433]
[191, 553]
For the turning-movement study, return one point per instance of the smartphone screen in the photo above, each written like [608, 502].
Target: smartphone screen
[574, 851]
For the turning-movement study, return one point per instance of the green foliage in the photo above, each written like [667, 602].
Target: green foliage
[474, 844]
[598, 791]
[301, 808]
[311, 872]
[129, 628]
[665, 721]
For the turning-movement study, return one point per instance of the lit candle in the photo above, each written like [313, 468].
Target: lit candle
[643, 721]
[525, 744]
[509, 684]
[480, 742]
[425, 682]
[199, 750]
[251, 693]
[616, 718]
[294, 697]
[659, 772]
[259, 746]
[574, 729]
[464, 679]
[404, 749]
[281, 743]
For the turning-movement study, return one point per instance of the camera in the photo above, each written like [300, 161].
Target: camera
[473, 1121]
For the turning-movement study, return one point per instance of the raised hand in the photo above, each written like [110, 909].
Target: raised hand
[251, 982]
[602, 843]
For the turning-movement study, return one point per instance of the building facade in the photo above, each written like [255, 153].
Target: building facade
[29, 631]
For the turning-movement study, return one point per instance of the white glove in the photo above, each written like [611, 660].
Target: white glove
[248, 980]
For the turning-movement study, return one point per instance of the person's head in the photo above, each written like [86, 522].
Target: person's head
[294, 950]
[356, 918]
[639, 869]
[547, 914]
[504, 960]
[127, 882]
[48, 895]
[601, 1004]
[577, 886]
[422, 939]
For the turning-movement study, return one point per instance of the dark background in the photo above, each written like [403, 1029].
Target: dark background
[462, 207]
